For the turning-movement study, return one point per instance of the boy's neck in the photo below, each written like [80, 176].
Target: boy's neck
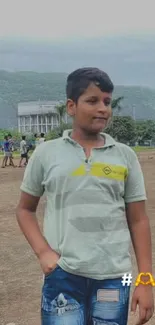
[87, 139]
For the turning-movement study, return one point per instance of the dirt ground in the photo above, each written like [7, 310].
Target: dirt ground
[20, 274]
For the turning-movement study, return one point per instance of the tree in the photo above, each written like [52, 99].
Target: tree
[57, 132]
[61, 110]
[116, 108]
[123, 129]
[116, 104]
[145, 130]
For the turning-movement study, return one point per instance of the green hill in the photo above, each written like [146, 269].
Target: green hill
[17, 87]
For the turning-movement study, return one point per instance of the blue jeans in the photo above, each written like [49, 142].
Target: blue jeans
[69, 299]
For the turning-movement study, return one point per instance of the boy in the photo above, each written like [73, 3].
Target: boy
[42, 138]
[11, 148]
[23, 151]
[36, 140]
[7, 153]
[95, 199]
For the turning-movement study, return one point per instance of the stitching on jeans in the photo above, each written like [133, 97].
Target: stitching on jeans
[59, 305]
[100, 322]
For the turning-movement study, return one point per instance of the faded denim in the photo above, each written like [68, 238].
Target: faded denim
[69, 299]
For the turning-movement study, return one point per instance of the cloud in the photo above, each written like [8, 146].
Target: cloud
[54, 19]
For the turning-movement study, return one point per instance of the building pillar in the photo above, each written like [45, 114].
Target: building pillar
[30, 128]
[46, 123]
[41, 129]
[37, 123]
[24, 124]
[19, 127]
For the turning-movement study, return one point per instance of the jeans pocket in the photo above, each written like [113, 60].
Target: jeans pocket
[51, 272]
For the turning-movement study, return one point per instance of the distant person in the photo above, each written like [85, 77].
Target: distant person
[36, 140]
[7, 153]
[42, 138]
[11, 147]
[23, 151]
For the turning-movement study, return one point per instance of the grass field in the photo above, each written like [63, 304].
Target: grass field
[137, 149]
[142, 149]
[16, 154]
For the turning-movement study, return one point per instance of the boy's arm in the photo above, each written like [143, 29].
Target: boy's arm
[32, 190]
[26, 217]
[139, 228]
[138, 222]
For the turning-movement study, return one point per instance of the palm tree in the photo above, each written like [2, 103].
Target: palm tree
[116, 107]
[116, 104]
[61, 110]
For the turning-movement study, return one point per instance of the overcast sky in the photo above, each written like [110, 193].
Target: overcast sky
[55, 19]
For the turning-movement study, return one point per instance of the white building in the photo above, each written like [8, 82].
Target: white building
[37, 117]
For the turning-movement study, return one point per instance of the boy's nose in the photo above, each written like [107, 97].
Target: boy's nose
[102, 108]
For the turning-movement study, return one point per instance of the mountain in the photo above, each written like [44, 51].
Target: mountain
[16, 87]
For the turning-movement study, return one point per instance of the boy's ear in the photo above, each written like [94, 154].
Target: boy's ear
[71, 107]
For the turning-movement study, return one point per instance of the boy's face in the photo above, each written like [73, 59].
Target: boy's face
[92, 111]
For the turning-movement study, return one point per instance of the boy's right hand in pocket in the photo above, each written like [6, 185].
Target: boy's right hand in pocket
[48, 261]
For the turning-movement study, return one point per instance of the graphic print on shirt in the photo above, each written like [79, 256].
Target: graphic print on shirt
[102, 170]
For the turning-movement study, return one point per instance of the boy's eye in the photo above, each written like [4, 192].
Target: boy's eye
[92, 100]
[107, 102]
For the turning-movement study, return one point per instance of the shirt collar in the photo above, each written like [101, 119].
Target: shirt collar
[109, 141]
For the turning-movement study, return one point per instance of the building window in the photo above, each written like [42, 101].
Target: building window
[49, 128]
[44, 128]
[34, 129]
[22, 129]
[27, 128]
[55, 120]
[34, 119]
[49, 119]
[43, 119]
[39, 119]
[27, 120]
[22, 120]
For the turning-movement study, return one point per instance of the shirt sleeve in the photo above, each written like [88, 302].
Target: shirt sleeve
[135, 187]
[33, 177]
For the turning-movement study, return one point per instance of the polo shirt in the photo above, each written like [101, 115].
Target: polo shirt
[85, 214]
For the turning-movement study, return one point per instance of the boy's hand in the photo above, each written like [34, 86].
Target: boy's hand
[48, 261]
[143, 296]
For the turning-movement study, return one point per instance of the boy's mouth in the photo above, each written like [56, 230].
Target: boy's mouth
[99, 118]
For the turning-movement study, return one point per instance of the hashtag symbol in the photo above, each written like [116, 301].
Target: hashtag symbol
[126, 279]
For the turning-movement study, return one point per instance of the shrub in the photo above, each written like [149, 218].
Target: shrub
[58, 132]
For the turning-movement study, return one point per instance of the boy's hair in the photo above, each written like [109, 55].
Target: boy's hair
[42, 135]
[6, 137]
[23, 137]
[79, 80]
[9, 135]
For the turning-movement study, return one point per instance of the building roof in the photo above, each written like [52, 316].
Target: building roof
[40, 102]
[37, 107]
